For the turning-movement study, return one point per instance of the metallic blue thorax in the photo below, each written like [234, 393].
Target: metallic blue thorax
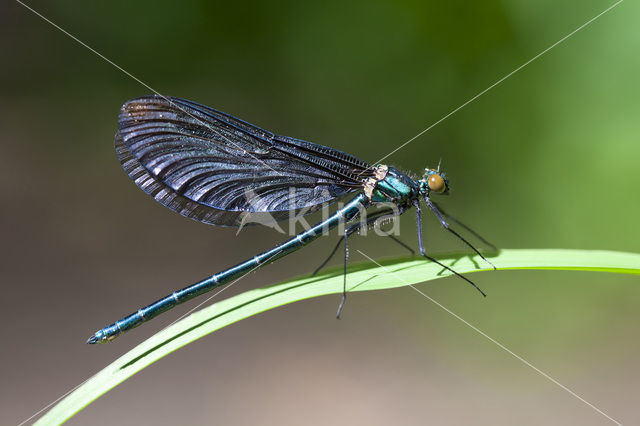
[395, 187]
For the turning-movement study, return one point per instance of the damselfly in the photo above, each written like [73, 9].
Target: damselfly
[212, 167]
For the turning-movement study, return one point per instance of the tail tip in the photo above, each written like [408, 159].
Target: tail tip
[97, 337]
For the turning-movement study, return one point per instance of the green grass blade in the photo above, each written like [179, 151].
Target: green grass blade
[361, 278]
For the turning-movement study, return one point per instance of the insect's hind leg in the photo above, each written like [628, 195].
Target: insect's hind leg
[382, 214]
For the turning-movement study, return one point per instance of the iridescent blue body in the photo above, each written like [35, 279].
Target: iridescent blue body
[216, 169]
[343, 215]
[396, 187]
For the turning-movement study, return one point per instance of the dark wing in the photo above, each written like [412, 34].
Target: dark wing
[211, 167]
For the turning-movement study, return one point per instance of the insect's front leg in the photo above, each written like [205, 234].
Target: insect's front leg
[453, 219]
[448, 228]
[424, 254]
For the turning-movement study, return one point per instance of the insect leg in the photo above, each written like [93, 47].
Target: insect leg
[446, 226]
[384, 213]
[344, 278]
[423, 253]
[474, 233]
[355, 228]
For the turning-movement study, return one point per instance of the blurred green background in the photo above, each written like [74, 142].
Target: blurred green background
[548, 158]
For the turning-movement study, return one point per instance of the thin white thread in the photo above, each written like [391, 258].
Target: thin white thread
[501, 80]
[392, 152]
[143, 83]
[226, 286]
[164, 328]
[500, 345]
[56, 400]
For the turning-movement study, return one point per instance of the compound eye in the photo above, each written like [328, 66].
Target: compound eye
[436, 183]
